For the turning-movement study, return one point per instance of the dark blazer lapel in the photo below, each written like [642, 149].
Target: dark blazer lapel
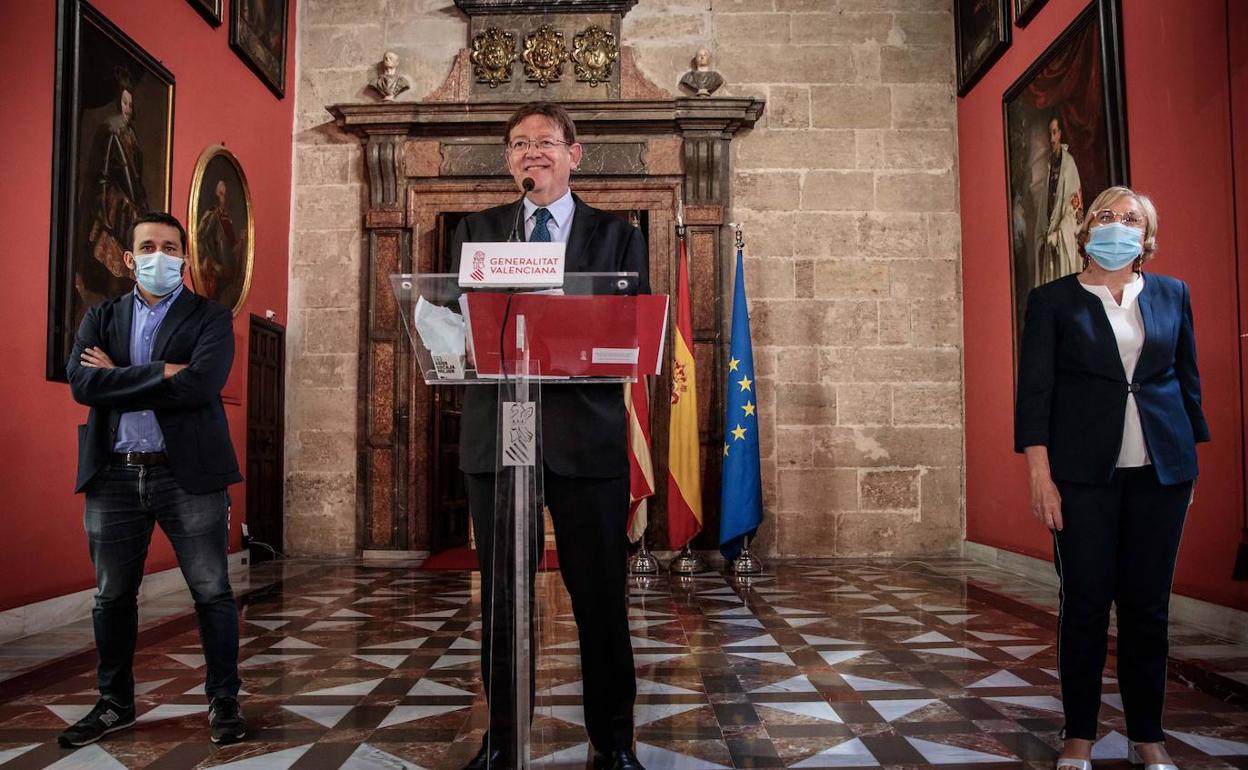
[1103, 338]
[1153, 339]
[182, 307]
[584, 223]
[119, 330]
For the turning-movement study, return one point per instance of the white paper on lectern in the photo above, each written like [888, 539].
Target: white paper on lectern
[508, 264]
[443, 333]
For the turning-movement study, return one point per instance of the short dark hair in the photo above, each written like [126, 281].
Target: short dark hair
[549, 110]
[159, 218]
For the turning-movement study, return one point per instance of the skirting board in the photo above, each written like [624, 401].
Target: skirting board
[1226, 622]
[40, 616]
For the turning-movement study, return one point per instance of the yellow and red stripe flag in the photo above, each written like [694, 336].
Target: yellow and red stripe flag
[640, 466]
[684, 477]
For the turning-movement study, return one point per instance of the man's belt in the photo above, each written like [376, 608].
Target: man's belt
[141, 458]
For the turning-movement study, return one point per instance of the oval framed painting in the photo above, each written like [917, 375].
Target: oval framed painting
[221, 229]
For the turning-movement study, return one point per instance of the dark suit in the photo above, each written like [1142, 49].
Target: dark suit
[184, 492]
[585, 453]
[1121, 526]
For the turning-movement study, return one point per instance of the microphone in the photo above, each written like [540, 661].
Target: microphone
[527, 184]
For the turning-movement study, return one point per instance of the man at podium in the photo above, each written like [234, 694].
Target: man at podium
[584, 445]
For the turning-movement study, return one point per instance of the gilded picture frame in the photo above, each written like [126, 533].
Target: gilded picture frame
[112, 162]
[221, 229]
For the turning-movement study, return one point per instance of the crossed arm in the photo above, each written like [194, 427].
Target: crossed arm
[95, 379]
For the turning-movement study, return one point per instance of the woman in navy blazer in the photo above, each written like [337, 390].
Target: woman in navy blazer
[1108, 415]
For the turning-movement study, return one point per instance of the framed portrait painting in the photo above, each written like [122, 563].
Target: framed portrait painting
[1065, 142]
[981, 34]
[112, 150]
[209, 9]
[221, 229]
[1025, 9]
[258, 36]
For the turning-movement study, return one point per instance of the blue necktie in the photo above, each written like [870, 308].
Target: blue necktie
[541, 233]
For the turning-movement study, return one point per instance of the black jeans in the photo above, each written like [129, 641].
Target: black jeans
[1118, 546]
[124, 503]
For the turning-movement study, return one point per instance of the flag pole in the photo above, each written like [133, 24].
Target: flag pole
[686, 562]
[643, 562]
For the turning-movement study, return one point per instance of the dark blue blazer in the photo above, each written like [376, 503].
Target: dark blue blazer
[197, 332]
[1072, 389]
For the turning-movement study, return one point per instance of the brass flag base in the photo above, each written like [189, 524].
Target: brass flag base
[686, 562]
[643, 562]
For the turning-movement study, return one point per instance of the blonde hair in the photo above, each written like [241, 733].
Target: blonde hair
[1108, 198]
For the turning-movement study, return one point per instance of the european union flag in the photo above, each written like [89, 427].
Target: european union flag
[741, 498]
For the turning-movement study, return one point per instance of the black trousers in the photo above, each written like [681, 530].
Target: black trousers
[1118, 546]
[590, 517]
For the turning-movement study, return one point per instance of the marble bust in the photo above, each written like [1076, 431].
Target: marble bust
[702, 80]
[389, 82]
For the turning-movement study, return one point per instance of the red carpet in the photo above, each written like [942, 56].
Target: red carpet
[466, 558]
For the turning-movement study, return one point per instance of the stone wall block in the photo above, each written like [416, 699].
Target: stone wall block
[820, 234]
[798, 364]
[862, 405]
[895, 323]
[818, 493]
[916, 191]
[840, 28]
[752, 29]
[851, 106]
[768, 190]
[937, 322]
[927, 404]
[914, 365]
[889, 490]
[922, 106]
[803, 404]
[851, 278]
[332, 330]
[764, 63]
[769, 279]
[916, 64]
[891, 235]
[919, 149]
[838, 191]
[796, 149]
[888, 447]
[924, 279]
[788, 107]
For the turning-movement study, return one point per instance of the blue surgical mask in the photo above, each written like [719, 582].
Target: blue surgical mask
[1114, 246]
[158, 273]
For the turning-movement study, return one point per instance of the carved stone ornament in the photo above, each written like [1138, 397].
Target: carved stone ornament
[493, 51]
[593, 51]
[544, 55]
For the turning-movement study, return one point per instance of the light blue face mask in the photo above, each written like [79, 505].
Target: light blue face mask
[158, 273]
[1114, 246]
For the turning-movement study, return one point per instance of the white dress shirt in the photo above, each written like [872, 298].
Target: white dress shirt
[1128, 326]
[560, 223]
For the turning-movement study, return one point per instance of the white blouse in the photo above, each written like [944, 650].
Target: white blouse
[1128, 326]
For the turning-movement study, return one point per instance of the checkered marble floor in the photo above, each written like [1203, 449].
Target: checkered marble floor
[813, 665]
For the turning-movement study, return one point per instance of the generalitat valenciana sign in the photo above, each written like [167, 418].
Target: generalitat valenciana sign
[510, 264]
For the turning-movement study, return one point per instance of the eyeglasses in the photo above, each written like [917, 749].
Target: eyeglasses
[524, 145]
[1128, 218]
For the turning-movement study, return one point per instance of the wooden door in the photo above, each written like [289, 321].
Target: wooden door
[265, 409]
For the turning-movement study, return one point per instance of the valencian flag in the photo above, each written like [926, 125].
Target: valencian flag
[640, 467]
[741, 500]
[684, 479]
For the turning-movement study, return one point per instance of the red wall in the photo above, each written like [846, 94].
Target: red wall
[217, 101]
[1178, 97]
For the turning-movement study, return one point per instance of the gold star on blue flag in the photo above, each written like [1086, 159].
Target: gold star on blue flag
[741, 491]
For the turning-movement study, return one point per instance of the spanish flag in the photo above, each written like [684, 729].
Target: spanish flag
[684, 478]
[640, 467]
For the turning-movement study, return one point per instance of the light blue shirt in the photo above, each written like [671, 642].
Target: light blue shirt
[139, 431]
[560, 224]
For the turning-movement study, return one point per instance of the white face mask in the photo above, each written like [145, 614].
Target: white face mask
[158, 273]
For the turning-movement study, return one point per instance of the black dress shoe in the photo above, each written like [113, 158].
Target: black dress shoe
[488, 759]
[620, 759]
